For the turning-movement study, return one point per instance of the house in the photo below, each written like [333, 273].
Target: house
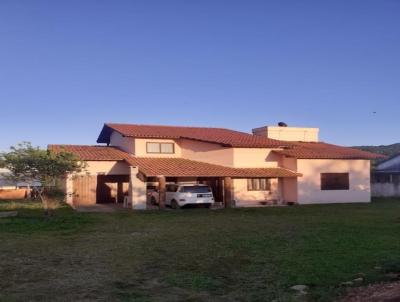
[276, 165]
[5, 183]
[13, 190]
[385, 181]
[8, 184]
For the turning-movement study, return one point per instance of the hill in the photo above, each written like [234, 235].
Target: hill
[388, 150]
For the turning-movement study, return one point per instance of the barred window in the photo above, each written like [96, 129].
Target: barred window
[258, 184]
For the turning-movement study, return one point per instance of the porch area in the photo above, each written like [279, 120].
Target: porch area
[230, 186]
[143, 177]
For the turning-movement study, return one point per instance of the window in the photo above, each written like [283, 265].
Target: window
[167, 148]
[195, 189]
[335, 181]
[160, 148]
[172, 188]
[258, 184]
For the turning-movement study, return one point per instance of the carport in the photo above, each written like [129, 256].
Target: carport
[220, 178]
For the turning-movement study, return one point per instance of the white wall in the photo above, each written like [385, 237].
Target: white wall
[137, 190]
[385, 189]
[309, 185]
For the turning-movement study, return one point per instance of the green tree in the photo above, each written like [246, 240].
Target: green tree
[31, 164]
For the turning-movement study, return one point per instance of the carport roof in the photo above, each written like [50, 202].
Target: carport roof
[169, 166]
[181, 167]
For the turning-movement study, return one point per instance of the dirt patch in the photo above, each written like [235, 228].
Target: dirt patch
[382, 292]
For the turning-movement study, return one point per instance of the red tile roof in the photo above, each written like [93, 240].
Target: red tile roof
[225, 137]
[173, 167]
[322, 150]
[181, 167]
[95, 153]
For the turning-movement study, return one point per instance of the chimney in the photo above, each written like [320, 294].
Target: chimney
[284, 133]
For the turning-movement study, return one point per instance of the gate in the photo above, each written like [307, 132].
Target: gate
[84, 187]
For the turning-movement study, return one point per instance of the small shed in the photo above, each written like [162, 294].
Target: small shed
[386, 178]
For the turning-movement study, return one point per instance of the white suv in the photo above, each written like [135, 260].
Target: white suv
[180, 195]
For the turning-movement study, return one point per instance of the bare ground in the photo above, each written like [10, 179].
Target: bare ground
[381, 292]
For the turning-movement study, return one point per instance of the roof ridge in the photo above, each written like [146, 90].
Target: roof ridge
[168, 126]
[75, 145]
[222, 136]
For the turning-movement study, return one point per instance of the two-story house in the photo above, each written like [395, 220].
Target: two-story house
[277, 165]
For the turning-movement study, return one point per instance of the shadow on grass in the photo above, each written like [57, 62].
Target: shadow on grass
[31, 219]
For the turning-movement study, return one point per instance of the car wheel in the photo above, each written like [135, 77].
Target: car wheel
[174, 204]
[208, 205]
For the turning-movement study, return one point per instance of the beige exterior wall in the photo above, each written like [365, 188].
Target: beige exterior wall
[94, 168]
[288, 163]
[206, 152]
[140, 147]
[245, 198]
[231, 157]
[309, 185]
[127, 144]
[289, 189]
[289, 133]
[254, 158]
[106, 167]
[304, 190]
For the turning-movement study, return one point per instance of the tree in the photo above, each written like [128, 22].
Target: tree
[31, 164]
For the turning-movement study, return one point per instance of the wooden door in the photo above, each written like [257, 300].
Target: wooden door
[84, 187]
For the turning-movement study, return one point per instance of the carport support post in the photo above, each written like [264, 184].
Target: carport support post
[161, 192]
[137, 190]
[228, 192]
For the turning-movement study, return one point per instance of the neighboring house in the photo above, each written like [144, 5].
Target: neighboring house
[13, 190]
[386, 178]
[4, 182]
[276, 165]
[7, 184]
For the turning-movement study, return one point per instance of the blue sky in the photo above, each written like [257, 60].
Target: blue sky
[66, 67]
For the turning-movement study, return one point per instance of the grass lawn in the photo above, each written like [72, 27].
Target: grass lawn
[195, 254]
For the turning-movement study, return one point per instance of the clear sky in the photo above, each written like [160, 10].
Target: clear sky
[66, 67]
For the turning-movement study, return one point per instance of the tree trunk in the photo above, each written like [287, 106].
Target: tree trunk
[45, 203]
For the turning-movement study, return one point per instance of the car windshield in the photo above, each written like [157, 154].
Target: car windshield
[195, 189]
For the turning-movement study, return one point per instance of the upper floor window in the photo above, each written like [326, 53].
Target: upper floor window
[258, 184]
[160, 148]
[335, 181]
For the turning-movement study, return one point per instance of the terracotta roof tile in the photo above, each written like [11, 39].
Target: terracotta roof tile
[95, 153]
[225, 137]
[181, 167]
[322, 150]
[173, 167]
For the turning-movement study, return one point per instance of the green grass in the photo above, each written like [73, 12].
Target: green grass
[196, 254]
